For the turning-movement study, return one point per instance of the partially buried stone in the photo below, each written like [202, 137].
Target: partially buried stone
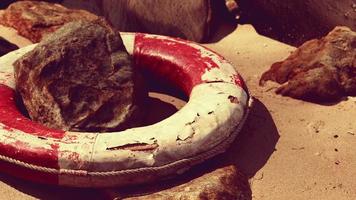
[36, 19]
[81, 78]
[226, 183]
[320, 70]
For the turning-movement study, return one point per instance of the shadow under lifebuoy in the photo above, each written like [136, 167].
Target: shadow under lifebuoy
[249, 153]
[256, 141]
[252, 147]
[50, 192]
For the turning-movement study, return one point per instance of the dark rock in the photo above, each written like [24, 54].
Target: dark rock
[320, 70]
[81, 78]
[294, 21]
[36, 19]
[6, 46]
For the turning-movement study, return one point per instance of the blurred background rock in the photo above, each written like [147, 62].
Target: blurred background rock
[292, 21]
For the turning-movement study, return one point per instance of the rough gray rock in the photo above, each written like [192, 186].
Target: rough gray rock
[319, 70]
[81, 78]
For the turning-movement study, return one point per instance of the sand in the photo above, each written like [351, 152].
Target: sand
[290, 149]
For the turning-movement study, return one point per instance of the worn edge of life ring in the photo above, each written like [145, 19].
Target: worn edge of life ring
[205, 127]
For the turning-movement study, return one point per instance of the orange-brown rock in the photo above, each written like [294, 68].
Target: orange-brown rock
[319, 70]
[36, 19]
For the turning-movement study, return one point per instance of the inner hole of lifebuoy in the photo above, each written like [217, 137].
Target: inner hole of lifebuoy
[164, 99]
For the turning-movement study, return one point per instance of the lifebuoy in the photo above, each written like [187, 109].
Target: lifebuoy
[217, 108]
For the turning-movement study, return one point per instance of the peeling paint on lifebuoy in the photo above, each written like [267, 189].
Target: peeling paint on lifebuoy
[204, 127]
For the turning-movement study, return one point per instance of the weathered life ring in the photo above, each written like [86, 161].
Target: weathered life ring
[217, 108]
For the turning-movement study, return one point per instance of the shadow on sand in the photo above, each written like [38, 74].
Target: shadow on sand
[256, 142]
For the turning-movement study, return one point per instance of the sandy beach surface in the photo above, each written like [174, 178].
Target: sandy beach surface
[289, 149]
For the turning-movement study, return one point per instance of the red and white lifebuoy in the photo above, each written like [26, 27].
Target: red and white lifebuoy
[204, 127]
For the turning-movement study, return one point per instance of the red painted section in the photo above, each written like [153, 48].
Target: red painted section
[47, 157]
[27, 174]
[33, 155]
[12, 118]
[173, 59]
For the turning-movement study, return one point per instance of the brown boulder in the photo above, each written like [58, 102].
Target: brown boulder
[319, 70]
[224, 183]
[36, 19]
[81, 78]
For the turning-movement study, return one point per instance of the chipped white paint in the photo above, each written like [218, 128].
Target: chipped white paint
[224, 74]
[206, 122]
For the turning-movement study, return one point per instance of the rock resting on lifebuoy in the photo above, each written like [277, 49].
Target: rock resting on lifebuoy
[217, 108]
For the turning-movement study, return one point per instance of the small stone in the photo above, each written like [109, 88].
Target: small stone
[81, 79]
[316, 127]
[350, 133]
[36, 19]
[321, 70]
